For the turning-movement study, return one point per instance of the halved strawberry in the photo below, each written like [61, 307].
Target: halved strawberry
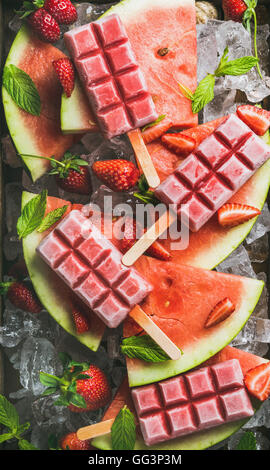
[66, 74]
[81, 320]
[233, 214]
[257, 381]
[180, 143]
[154, 132]
[257, 119]
[220, 312]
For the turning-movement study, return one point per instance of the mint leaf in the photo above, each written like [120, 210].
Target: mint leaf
[235, 67]
[123, 432]
[22, 89]
[204, 93]
[32, 215]
[152, 124]
[6, 437]
[8, 414]
[247, 442]
[25, 445]
[52, 218]
[144, 348]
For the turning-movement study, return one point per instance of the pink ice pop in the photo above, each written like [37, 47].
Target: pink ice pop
[111, 77]
[192, 402]
[218, 168]
[91, 266]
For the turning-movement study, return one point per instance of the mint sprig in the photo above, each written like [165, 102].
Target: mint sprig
[22, 89]
[144, 348]
[247, 442]
[204, 92]
[9, 418]
[32, 215]
[51, 218]
[144, 193]
[123, 432]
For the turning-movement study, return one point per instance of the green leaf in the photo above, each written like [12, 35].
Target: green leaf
[51, 218]
[22, 428]
[8, 414]
[32, 215]
[186, 91]
[49, 391]
[204, 93]
[154, 123]
[65, 359]
[247, 442]
[62, 401]
[25, 445]
[235, 67]
[22, 89]
[6, 437]
[49, 380]
[123, 432]
[77, 400]
[144, 348]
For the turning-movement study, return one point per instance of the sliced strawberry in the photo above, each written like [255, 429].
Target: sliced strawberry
[233, 214]
[66, 74]
[199, 133]
[153, 133]
[220, 312]
[257, 381]
[82, 323]
[257, 119]
[156, 250]
[179, 143]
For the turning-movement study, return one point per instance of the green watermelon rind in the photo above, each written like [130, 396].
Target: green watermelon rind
[199, 441]
[141, 373]
[54, 302]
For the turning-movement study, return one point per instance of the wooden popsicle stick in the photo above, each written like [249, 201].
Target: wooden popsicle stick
[95, 430]
[143, 158]
[148, 238]
[155, 332]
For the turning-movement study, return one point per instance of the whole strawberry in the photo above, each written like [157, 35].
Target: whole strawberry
[234, 9]
[71, 442]
[118, 175]
[82, 387]
[62, 10]
[66, 74]
[44, 25]
[21, 295]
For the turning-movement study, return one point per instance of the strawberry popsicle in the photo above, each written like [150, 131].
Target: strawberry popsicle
[218, 167]
[91, 266]
[192, 402]
[112, 79]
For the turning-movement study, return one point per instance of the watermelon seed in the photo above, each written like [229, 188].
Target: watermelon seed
[167, 303]
[163, 51]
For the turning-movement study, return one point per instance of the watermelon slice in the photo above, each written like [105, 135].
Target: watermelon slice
[148, 24]
[32, 134]
[180, 303]
[198, 441]
[52, 292]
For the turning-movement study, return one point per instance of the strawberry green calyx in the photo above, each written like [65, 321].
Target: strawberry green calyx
[61, 168]
[4, 287]
[29, 7]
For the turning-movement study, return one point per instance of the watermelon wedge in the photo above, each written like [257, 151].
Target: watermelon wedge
[148, 24]
[52, 292]
[180, 303]
[198, 441]
[36, 135]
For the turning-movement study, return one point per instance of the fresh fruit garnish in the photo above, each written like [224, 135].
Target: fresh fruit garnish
[22, 89]
[256, 118]
[21, 295]
[132, 233]
[233, 214]
[44, 25]
[81, 320]
[66, 74]
[118, 175]
[71, 442]
[154, 132]
[83, 387]
[179, 143]
[257, 381]
[220, 312]
[243, 11]
[62, 10]
[71, 173]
